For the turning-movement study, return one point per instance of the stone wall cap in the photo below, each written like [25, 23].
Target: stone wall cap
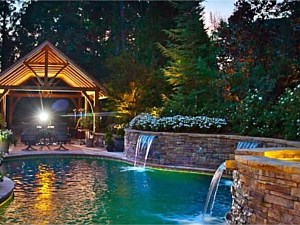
[261, 151]
[222, 136]
[268, 163]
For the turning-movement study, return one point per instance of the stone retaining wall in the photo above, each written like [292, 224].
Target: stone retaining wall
[193, 150]
[266, 190]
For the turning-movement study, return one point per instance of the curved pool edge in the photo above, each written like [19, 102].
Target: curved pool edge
[42, 168]
[118, 156]
[7, 186]
[6, 190]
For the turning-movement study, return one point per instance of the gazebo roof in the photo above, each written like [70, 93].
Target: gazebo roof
[47, 68]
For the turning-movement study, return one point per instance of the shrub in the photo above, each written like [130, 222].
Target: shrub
[256, 117]
[288, 112]
[178, 123]
[253, 116]
[5, 134]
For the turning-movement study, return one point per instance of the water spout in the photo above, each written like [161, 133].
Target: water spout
[212, 191]
[143, 142]
[150, 139]
[137, 148]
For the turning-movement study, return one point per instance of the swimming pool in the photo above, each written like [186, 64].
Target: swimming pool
[100, 191]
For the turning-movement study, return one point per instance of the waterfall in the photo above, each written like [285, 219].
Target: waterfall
[150, 139]
[212, 191]
[143, 143]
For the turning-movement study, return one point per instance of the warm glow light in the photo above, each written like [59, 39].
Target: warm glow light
[44, 204]
[44, 117]
[284, 154]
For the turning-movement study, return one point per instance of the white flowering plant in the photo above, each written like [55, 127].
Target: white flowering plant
[256, 116]
[253, 117]
[6, 134]
[289, 113]
[178, 123]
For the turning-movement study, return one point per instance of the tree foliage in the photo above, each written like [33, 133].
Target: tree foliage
[155, 55]
[258, 50]
[133, 88]
[10, 16]
[192, 68]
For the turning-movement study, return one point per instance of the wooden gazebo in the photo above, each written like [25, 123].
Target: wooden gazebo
[46, 72]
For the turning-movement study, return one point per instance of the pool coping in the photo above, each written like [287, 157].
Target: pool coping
[119, 156]
[270, 158]
[6, 190]
[7, 186]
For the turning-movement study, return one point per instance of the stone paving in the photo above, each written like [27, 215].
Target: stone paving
[74, 148]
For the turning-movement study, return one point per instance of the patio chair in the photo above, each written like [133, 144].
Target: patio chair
[61, 136]
[29, 136]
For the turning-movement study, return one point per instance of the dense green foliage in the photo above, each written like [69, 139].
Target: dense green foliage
[192, 68]
[259, 54]
[134, 87]
[259, 48]
[9, 20]
[157, 57]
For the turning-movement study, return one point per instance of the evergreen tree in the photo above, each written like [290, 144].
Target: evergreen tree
[10, 13]
[135, 84]
[257, 50]
[62, 23]
[192, 67]
[153, 17]
[87, 31]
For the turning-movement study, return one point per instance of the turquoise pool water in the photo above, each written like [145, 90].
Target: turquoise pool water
[99, 191]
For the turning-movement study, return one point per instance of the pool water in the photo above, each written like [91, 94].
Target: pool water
[99, 191]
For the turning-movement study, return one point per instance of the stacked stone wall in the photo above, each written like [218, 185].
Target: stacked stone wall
[265, 191]
[192, 150]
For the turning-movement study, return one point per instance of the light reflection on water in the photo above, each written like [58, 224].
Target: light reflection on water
[134, 168]
[86, 191]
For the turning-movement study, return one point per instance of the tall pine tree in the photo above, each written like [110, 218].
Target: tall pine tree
[192, 67]
[10, 15]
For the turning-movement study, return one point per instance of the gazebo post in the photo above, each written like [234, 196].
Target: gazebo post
[4, 108]
[96, 109]
[80, 103]
[86, 105]
[11, 111]
[3, 104]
